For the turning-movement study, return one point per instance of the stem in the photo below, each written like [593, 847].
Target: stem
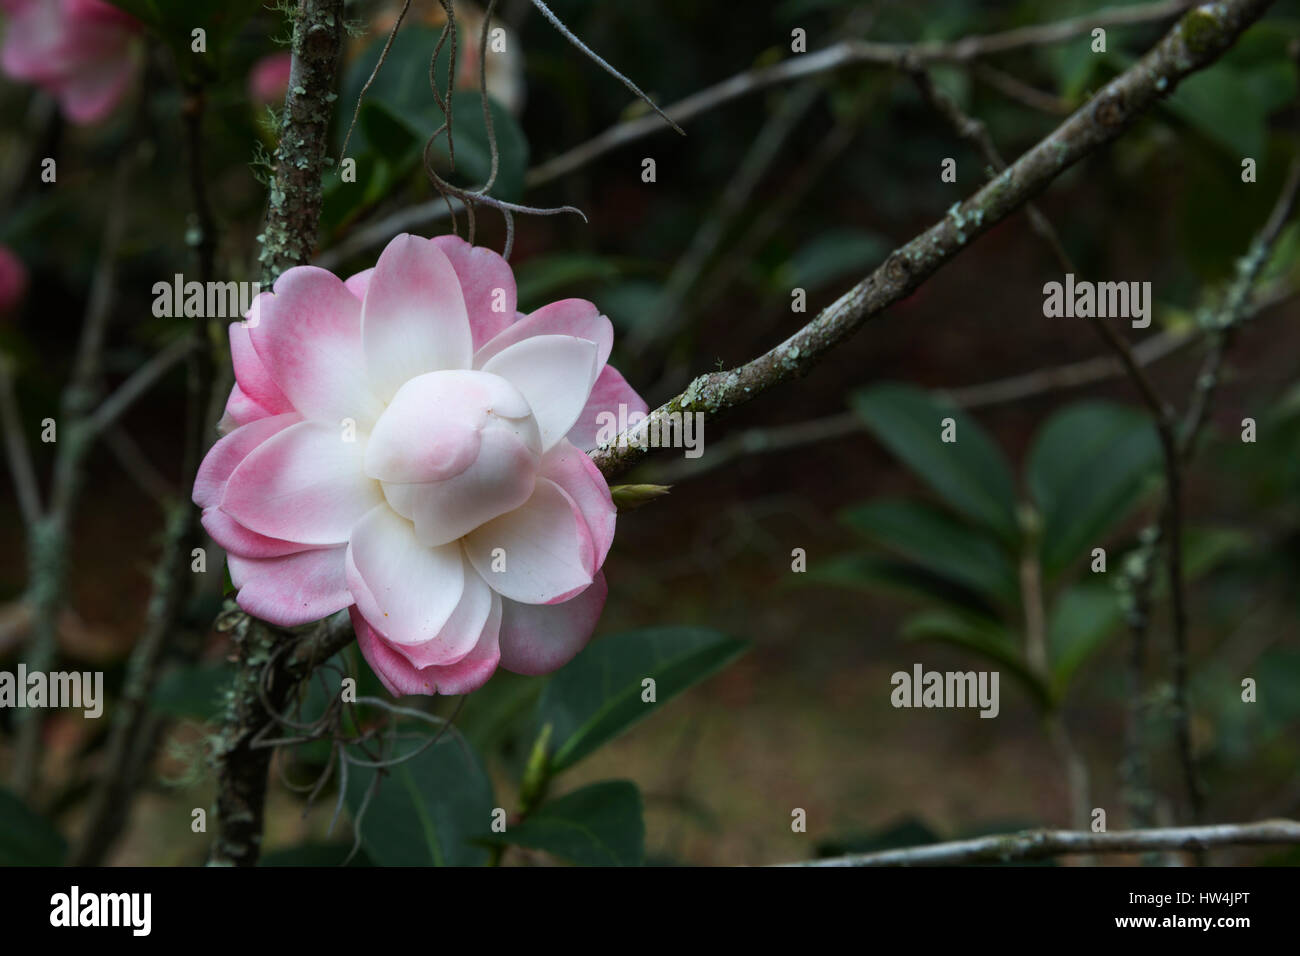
[1042, 844]
[288, 240]
[1195, 42]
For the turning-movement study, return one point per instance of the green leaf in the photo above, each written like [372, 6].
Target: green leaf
[986, 637]
[26, 837]
[599, 825]
[597, 695]
[875, 574]
[1087, 469]
[930, 537]
[426, 808]
[970, 474]
[1082, 620]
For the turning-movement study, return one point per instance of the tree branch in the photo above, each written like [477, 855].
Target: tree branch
[838, 56]
[47, 542]
[1195, 42]
[290, 238]
[293, 216]
[1042, 844]
[135, 729]
[844, 54]
[17, 451]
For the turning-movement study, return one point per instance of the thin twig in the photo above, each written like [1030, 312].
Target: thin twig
[139, 382]
[17, 450]
[1043, 844]
[383, 57]
[47, 546]
[1002, 391]
[844, 54]
[595, 58]
[1112, 111]
[838, 56]
[136, 729]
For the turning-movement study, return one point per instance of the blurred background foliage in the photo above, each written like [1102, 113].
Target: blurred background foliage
[916, 552]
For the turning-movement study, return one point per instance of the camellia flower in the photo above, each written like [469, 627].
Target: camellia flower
[82, 51]
[13, 280]
[268, 80]
[406, 445]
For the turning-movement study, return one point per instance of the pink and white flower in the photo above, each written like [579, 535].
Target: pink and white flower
[406, 445]
[82, 51]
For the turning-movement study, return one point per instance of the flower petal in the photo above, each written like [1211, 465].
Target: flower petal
[407, 590]
[291, 590]
[546, 545]
[578, 475]
[555, 374]
[304, 484]
[413, 318]
[227, 454]
[240, 410]
[251, 374]
[576, 317]
[540, 638]
[460, 635]
[487, 283]
[431, 428]
[235, 539]
[308, 336]
[610, 391]
[400, 677]
[501, 479]
[359, 283]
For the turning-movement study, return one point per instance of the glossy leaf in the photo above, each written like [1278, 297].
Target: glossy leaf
[598, 694]
[987, 638]
[599, 825]
[930, 537]
[427, 808]
[970, 473]
[1089, 466]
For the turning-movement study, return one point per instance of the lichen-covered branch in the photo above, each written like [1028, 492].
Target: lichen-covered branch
[289, 240]
[1196, 41]
[293, 213]
[841, 55]
[1043, 844]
